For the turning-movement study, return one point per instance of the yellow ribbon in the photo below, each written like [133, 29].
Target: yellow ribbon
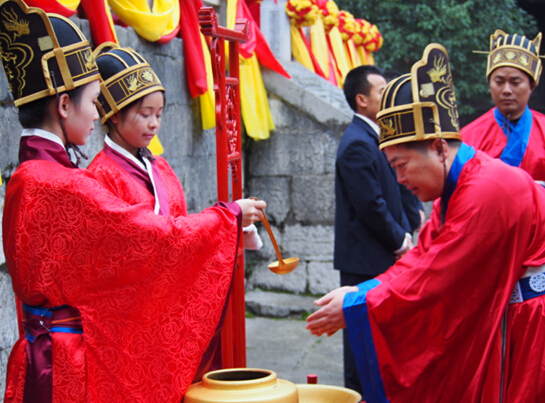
[208, 100]
[318, 43]
[155, 146]
[254, 105]
[299, 50]
[339, 51]
[161, 20]
[255, 111]
[71, 4]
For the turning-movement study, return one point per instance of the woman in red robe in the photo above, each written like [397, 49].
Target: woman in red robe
[125, 166]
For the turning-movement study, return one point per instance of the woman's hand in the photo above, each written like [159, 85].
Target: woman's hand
[252, 210]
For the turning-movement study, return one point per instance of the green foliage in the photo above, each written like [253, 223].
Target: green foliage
[460, 26]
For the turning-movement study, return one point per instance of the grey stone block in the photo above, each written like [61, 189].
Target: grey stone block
[288, 153]
[309, 243]
[276, 192]
[10, 134]
[5, 94]
[286, 117]
[296, 281]
[8, 325]
[279, 305]
[309, 93]
[313, 199]
[322, 278]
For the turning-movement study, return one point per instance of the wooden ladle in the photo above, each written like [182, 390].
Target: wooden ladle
[281, 266]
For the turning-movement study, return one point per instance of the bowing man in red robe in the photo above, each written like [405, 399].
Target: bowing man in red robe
[511, 131]
[461, 317]
[118, 303]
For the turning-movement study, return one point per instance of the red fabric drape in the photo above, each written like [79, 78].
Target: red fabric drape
[256, 42]
[101, 30]
[51, 6]
[193, 53]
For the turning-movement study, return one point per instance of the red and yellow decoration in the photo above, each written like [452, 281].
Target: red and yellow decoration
[303, 13]
[338, 41]
[254, 105]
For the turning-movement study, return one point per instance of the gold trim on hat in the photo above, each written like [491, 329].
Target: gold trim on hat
[135, 82]
[392, 130]
[505, 53]
[433, 97]
[14, 27]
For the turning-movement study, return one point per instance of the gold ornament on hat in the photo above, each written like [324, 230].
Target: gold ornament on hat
[431, 114]
[131, 83]
[12, 24]
[514, 51]
[31, 53]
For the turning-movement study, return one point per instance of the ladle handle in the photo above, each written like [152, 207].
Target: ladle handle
[277, 250]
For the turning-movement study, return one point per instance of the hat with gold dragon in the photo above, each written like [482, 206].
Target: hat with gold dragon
[126, 77]
[421, 105]
[42, 54]
[514, 51]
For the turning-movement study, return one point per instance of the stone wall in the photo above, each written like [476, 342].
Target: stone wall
[294, 172]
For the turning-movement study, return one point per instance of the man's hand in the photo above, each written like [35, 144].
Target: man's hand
[422, 219]
[409, 246]
[329, 318]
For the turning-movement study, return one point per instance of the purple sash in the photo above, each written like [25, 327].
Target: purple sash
[39, 323]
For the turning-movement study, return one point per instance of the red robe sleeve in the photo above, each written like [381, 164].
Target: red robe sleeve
[150, 288]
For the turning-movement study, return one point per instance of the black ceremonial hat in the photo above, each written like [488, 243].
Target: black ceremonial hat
[126, 77]
[420, 105]
[42, 53]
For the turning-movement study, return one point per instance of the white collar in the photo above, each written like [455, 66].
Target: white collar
[373, 125]
[43, 134]
[146, 165]
[123, 152]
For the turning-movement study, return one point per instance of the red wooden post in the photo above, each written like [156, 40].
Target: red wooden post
[229, 158]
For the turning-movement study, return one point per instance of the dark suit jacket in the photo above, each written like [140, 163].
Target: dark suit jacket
[370, 223]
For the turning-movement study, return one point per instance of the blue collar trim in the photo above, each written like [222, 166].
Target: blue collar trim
[465, 153]
[517, 136]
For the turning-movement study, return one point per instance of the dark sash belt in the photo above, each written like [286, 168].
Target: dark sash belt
[39, 323]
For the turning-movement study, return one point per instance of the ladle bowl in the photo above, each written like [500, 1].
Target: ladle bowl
[284, 266]
[281, 266]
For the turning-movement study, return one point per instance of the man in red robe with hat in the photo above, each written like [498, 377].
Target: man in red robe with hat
[460, 317]
[511, 131]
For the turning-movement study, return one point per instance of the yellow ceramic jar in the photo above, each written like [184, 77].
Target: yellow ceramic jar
[241, 385]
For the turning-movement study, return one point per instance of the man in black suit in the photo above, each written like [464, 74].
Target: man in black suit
[371, 227]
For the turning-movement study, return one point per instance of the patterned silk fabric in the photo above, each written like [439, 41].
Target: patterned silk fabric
[124, 186]
[150, 288]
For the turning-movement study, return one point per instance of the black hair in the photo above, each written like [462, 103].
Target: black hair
[356, 83]
[33, 114]
[390, 75]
